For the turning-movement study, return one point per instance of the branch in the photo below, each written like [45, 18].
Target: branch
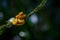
[38, 7]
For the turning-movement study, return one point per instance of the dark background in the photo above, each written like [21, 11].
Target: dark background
[47, 27]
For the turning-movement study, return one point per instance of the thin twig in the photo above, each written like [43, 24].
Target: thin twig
[5, 25]
[38, 7]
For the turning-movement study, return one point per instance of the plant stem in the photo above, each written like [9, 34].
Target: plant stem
[38, 7]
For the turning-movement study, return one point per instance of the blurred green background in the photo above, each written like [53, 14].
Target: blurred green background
[43, 25]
